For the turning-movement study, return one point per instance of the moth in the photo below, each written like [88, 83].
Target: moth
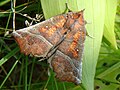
[60, 40]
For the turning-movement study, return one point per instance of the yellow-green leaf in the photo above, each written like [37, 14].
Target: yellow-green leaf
[110, 13]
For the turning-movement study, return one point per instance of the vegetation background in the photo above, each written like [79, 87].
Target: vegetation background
[101, 62]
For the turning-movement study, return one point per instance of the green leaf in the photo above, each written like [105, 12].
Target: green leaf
[110, 13]
[95, 14]
[53, 7]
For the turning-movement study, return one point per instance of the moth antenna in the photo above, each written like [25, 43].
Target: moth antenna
[67, 8]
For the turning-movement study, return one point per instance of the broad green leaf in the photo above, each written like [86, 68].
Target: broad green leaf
[53, 7]
[110, 12]
[95, 14]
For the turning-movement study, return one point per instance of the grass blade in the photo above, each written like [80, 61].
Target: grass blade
[31, 73]
[26, 72]
[3, 2]
[9, 55]
[9, 74]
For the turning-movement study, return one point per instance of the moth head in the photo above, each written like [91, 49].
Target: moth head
[79, 16]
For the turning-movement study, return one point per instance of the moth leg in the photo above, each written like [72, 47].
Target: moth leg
[89, 35]
[86, 22]
[42, 59]
[87, 32]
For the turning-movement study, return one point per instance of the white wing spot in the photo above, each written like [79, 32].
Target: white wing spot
[46, 26]
[77, 50]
